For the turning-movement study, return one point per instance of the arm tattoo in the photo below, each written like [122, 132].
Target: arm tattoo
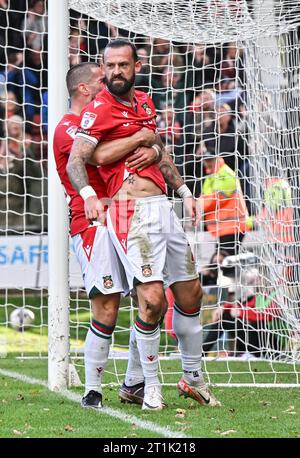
[168, 168]
[170, 173]
[82, 151]
[131, 179]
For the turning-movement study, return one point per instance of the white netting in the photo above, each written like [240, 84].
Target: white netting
[240, 63]
[202, 21]
[223, 75]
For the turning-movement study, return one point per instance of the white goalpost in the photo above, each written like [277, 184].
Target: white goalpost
[223, 74]
[58, 240]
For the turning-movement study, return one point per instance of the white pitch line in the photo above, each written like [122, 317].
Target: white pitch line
[143, 424]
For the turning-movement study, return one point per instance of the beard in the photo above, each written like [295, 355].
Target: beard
[118, 88]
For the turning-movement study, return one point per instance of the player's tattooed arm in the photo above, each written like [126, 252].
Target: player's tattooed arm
[82, 151]
[168, 168]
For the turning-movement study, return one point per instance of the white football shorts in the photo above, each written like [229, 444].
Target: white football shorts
[150, 241]
[100, 265]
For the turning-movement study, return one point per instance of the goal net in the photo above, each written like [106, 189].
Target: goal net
[224, 77]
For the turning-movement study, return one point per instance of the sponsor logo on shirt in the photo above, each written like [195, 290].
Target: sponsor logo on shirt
[125, 113]
[88, 120]
[72, 131]
[84, 131]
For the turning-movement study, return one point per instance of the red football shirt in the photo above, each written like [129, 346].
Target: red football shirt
[64, 135]
[108, 118]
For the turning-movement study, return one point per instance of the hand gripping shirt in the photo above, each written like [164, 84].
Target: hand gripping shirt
[108, 118]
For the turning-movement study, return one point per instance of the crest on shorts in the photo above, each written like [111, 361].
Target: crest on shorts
[88, 119]
[147, 108]
[146, 270]
[108, 282]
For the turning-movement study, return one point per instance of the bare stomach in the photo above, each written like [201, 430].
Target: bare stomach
[135, 187]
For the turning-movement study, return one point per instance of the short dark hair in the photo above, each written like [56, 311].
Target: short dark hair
[119, 43]
[77, 74]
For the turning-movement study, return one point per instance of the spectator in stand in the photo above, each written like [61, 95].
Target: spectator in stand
[176, 58]
[143, 79]
[161, 49]
[23, 82]
[169, 127]
[170, 132]
[3, 28]
[22, 180]
[14, 133]
[35, 25]
[171, 93]
[201, 70]
[199, 119]
[228, 92]
[222, 136]
[222, 204]
[11, 29]
[12, 189]
[77, 47]
[10, 105]
[162, 57]
[232, 64]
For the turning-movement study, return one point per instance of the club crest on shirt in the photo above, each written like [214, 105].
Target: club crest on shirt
[147, 108]
[88, 120]
[108, 282]
[146, 270]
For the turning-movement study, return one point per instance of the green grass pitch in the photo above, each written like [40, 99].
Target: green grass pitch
[28, 410]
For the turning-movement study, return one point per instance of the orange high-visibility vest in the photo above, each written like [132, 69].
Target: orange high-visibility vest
[223, 203]
[276, 217]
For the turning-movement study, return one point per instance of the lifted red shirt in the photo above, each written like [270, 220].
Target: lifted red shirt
[108, 118]
[64, 135]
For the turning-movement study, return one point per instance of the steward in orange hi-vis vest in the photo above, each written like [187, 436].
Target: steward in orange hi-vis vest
[222, 201]
[276, 216]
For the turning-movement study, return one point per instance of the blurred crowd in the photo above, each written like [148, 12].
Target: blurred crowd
[23, 131]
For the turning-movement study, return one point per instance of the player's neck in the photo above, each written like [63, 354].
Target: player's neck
[77, 106]
[129, 96]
